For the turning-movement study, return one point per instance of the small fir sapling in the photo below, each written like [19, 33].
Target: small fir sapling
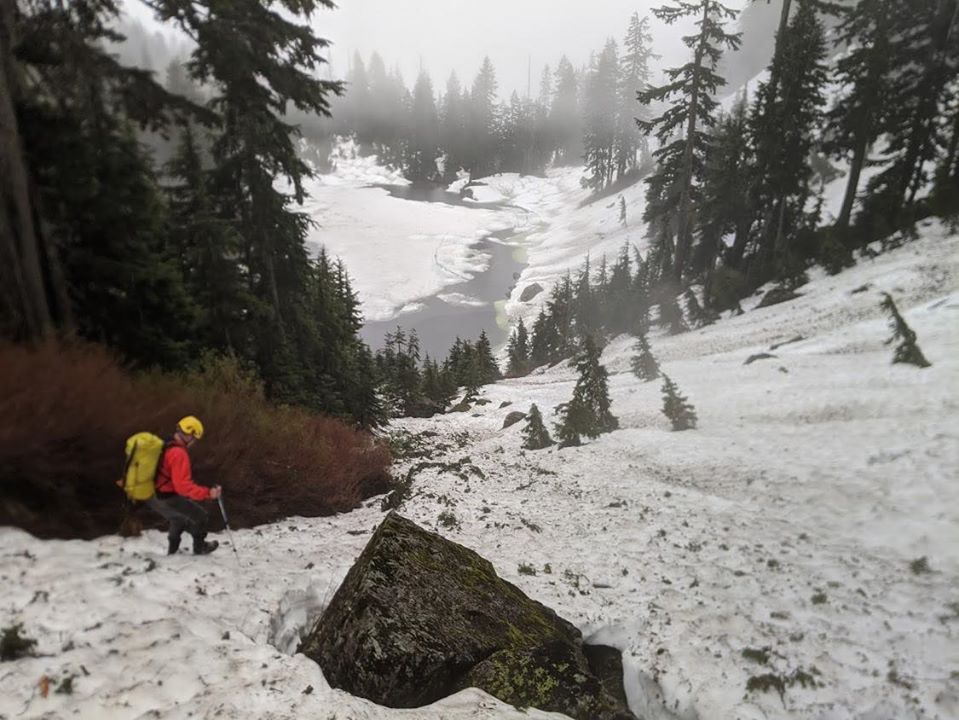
[588, 413]
[675, 406]
[907, 351]
[535, 434]
[643, 364]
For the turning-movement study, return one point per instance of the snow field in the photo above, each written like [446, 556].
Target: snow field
[786, 525]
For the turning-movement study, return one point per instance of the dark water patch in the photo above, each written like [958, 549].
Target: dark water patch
[438, 323]
[436, 194]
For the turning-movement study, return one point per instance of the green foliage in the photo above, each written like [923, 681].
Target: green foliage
[517, 351]
[907, 351]
[698, 315]
[787, 111]
[674, 189]
[588, 412]
[670, 313]
[535, 434]
[643, 364]
[216, 260]
[675, 406]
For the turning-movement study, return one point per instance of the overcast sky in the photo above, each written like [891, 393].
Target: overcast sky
[445, 35]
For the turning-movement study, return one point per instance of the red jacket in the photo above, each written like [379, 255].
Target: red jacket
[175, 475]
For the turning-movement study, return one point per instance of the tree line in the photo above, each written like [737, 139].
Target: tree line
[736, 197]
[576, 113]
[204, 255]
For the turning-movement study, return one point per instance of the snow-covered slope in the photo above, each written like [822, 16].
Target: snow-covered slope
[786, 525]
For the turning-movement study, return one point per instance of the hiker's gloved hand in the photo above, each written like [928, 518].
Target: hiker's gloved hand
[215, 492]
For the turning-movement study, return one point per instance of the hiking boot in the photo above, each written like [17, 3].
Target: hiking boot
[205, 548]
[174, 545]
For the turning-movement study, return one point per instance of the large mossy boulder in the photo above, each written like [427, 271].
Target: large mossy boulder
[419, 617]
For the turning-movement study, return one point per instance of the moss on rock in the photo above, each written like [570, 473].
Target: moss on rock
[419, 617]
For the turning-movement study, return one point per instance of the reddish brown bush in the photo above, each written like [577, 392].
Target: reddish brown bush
[66, 410]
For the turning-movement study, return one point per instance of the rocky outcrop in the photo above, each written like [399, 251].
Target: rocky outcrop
[512, 418]
[419, 617]
[530, 291]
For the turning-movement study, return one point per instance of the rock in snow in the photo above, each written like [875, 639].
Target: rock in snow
[419, 617]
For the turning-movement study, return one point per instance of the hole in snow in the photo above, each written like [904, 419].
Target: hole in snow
[295, 615]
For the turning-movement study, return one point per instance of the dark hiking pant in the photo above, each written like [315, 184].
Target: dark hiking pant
[183, 514]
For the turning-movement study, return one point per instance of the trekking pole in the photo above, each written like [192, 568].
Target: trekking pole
[228, 529]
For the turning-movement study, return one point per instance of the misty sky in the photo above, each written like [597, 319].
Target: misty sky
[445, 35]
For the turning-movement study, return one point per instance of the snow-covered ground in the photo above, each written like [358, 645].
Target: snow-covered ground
[400, 251]
[397, 251]
[786, 525]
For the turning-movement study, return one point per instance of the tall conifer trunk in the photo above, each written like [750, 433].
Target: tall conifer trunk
[683, 235]
[19, 242]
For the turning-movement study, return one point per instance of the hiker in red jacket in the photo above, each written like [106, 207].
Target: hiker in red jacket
[176, 493]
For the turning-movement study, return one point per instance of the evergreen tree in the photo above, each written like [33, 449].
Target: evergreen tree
[698, 316]
[643, 364]
[486, 367]
[453, 127]
[620, 307]
[673, 193]
[482, 120]
[81, 239]
[858, 115]
[588, 413]
[518, 352]
[535, 434]
[561, 308]
[924, 61]
[675, 406]
[640, 292]
[433, 387]
[635, 74]
[208, 248]
[565, 116]
[255, 76]
[544, 338]
[422, 148]
[586, 312]
[726, 207]
[602, 98]
[670, 313]
[783, 127]
[907, 351]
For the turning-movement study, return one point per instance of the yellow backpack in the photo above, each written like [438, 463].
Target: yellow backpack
[143, 451]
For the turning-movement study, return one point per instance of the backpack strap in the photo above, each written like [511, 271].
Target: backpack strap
[163, 480]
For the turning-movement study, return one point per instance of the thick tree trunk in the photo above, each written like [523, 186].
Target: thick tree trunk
[683, 233]
[852, 186]
[19, 242]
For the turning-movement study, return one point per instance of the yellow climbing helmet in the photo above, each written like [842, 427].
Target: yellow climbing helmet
[191, 426]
